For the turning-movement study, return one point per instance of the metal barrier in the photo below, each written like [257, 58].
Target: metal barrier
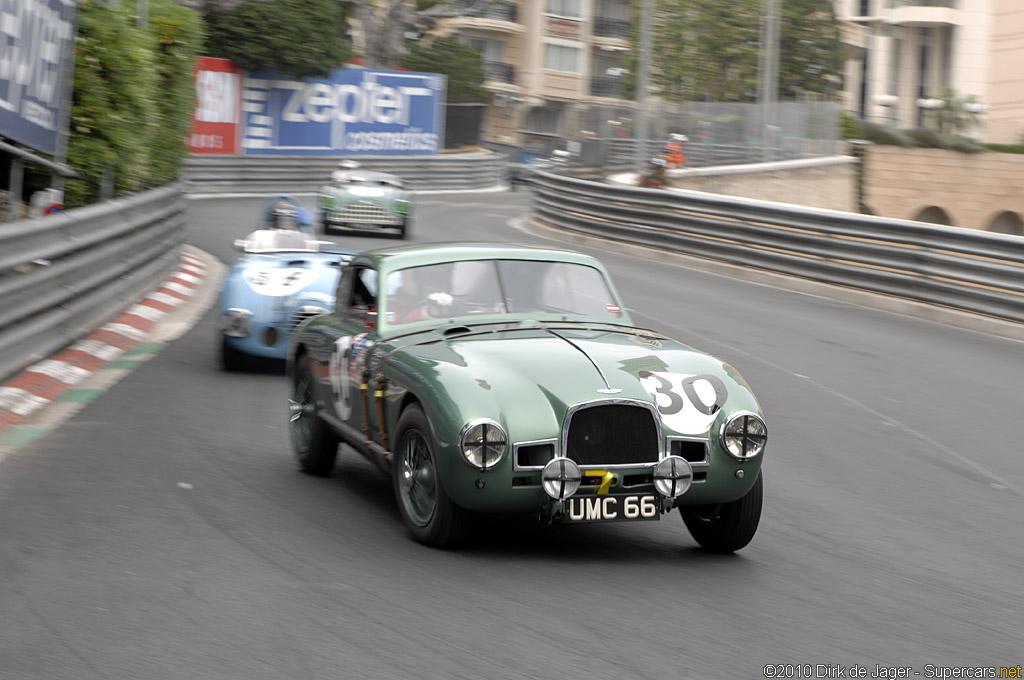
[212, 174]
[964, 269]
[61, 276]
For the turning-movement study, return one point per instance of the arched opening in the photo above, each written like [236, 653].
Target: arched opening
[934, 215]
[1007, 222]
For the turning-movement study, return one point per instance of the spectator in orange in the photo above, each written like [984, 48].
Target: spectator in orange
[674, 156]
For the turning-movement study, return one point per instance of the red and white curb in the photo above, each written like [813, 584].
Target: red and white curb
[41, 383]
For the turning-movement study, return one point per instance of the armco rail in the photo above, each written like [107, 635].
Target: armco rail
[63, 275]
[964, 269]
[214, 174]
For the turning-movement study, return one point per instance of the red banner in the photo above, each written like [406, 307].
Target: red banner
[215, 121]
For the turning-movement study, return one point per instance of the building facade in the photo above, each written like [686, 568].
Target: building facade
[900, 55]
[554, 66]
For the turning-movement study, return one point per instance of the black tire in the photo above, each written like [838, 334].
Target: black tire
[446, 525]
[726, 527]
[232, 359]
[314, 443]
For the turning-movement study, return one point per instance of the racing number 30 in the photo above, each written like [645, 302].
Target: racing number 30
[687, 403]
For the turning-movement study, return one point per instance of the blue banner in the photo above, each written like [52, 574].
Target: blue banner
[36, 41]
[356, 111]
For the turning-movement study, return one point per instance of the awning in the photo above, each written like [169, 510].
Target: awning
[59, 168]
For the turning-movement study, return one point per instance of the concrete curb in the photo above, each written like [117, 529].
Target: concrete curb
[48, 392]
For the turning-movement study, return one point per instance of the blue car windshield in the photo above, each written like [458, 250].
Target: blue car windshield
[469, 287]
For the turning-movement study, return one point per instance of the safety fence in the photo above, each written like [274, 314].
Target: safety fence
[214, 174]
[61, 276]
[964, 269]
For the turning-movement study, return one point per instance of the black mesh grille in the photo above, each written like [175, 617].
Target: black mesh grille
[691, 451]
[612, 435]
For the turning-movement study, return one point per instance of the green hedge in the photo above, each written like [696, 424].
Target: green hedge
[133, 97]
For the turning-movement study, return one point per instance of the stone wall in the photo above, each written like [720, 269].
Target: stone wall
[972, 190]
[814, 183]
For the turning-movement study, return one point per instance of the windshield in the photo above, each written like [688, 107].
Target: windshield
[453, 289]
[274, 240]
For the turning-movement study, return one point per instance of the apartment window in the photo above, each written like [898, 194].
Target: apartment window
[865, 8]
[612, 9]
[564, 8]
[490, 50]
[562, 58]
[542, 119]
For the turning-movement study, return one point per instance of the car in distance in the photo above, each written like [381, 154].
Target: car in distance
[363, 200]
[282, 278]
[509, 378]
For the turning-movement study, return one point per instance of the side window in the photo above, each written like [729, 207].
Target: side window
[357, 292]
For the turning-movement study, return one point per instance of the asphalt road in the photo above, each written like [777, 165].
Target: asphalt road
[165, 533]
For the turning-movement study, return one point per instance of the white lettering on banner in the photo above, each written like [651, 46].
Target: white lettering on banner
[33, 39]
[217, 96]
[367, 102]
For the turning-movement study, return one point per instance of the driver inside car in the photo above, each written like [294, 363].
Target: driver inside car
[425, 294]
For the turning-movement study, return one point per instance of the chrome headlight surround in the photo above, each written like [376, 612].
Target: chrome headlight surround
[236, 322]
[673, 476]
[482, 443]
[561, 478]
[743, 435]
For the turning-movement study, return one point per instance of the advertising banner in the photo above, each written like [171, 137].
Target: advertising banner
[36, 42]
[356, 111]
[218, 112]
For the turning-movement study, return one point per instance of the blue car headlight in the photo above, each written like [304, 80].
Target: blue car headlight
[236, 322]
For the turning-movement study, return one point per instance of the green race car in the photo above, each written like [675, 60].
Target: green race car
[509, 378]
[364, 200]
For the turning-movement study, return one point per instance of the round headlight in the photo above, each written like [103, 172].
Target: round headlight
[483, 443]
[560, 478]
[236, 322]
[672, 476]
[744, 435]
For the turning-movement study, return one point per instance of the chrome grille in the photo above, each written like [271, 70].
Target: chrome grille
[612, 434]
[364, 212]
[300, 315]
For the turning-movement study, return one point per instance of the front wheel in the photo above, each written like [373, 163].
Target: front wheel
[725, 527]
[314, 444]
[428, 512]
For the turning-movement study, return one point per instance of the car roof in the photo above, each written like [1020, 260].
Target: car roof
[419, 254]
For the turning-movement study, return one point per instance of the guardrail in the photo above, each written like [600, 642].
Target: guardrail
[964, 269]
[61, 276]
[214, 174]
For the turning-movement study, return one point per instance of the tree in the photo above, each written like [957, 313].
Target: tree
[299, 38]
[384, 26]
[459, 62]
[707, 50]
[809, 49]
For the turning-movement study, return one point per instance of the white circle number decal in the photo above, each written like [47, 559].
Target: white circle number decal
[687, 403]
[279, 281]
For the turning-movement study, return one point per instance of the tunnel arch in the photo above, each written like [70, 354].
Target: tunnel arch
[934, 215]
[1007, 222]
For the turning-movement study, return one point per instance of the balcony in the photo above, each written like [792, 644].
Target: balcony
[502, 17]
[925, 13]
[605, 86]
[500, 72]
[502, 11]
[606, 27]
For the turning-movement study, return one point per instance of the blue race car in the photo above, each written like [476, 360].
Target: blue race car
[283, 277]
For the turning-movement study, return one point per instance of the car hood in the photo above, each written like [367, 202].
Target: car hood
[527, 378]
[274, 285]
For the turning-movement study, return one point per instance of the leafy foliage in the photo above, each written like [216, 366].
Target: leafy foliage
[299, 38]
[179, 34]
[132, 97]
[707, 50]
[451, 57]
